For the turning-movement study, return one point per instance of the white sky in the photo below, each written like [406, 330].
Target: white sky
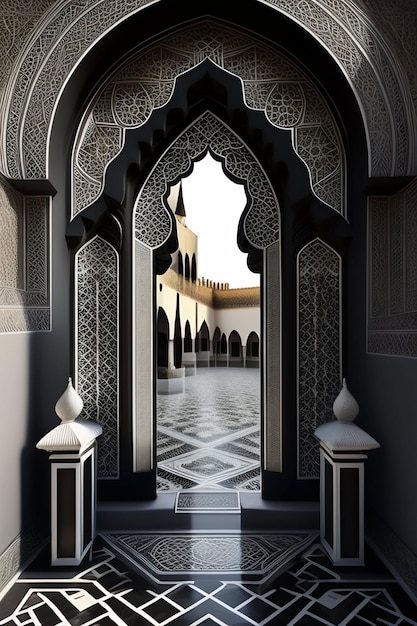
[214, 204]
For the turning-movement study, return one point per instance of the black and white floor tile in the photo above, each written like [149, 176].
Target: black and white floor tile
[110, 591]
[208, 436]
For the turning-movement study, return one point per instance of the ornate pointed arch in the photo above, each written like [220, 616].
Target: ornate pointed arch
[69, 31]
[282, 90]
[260, 223]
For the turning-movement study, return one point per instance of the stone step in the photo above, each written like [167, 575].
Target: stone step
[160, 514]
[259, 514]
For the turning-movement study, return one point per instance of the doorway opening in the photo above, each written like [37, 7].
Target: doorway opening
[208, 343]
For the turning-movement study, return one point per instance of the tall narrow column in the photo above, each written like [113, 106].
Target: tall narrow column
[342, 457]
[72, 445]
[244, 352]
[171, 358]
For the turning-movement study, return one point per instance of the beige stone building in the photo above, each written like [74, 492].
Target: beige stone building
[202, 323]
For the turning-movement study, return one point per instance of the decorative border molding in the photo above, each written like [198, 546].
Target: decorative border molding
[393, 552]
[375, 74]
[22, 549]
[392, 273]
[396, 31]
[319, 338]
[66, 33]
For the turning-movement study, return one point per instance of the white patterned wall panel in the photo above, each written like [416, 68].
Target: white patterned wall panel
[152, 219]
[97, 328]
[392, 273]
[319, 347]
[143, 315]
[21, 550]
[272, 414]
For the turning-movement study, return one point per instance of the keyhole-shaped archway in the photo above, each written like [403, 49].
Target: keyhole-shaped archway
[259, 228]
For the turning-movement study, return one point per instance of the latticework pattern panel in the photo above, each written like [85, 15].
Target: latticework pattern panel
[152, 219]
[271, 83]
[24, 262]
[36, 247]
[319, 347]
[97, 346]
[392, 274]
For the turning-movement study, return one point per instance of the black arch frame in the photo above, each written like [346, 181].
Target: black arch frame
[207, 87]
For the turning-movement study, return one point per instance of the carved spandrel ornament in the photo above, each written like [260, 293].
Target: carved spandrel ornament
[360, 41]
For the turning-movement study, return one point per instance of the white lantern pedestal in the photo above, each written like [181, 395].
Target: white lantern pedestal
[72, 448]
[343, 447]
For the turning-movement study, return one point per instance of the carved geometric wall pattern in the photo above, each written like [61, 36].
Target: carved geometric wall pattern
[397, 34]
[392, 274]
[350, 36]
[24, 266]
[70, 29]
[152, 220]
[319, 347]
[18, 21]
[97, 327]
[146, 81]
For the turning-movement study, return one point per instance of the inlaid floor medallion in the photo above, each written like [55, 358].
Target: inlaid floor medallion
[179, 556]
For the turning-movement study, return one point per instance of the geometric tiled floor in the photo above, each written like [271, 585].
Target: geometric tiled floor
[108, 592]
[208, 436]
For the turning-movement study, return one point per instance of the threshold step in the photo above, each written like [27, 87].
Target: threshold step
[278, 514]
[164, 513]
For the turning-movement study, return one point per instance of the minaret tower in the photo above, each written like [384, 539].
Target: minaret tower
[180, 209]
